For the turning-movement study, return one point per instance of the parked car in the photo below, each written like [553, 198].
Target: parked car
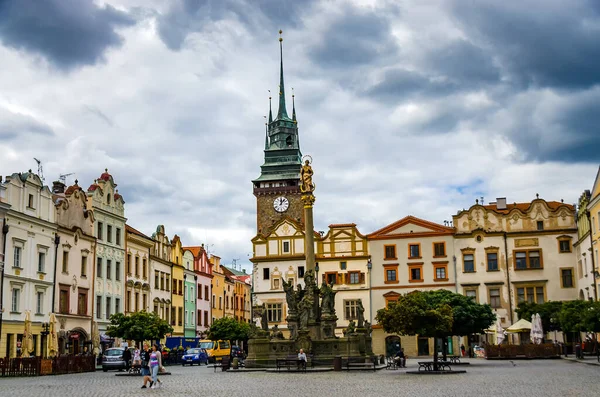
[215, 349]
[113, 359]
[237, 352]
[194, 356]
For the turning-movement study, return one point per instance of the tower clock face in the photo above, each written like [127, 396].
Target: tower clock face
[281, 204]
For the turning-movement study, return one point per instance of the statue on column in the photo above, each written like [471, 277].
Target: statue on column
[305, 309]
[264, 320]
[306, 173]
[360, 314]
[328, 299]
[290, 297]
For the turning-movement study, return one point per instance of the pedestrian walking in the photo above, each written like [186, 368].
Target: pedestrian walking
[155, 364]
[462, 350]
[145, 357]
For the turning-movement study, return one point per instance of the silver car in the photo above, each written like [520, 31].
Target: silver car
[113, 359]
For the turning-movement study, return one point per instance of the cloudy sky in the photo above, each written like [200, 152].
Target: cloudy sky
[407, 107]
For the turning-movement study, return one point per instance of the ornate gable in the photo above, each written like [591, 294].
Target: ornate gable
[410, 226]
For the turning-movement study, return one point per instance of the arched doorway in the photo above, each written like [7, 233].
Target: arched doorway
[77, 339]
[393, 344]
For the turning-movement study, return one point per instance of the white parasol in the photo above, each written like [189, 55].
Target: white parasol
[53, 338]
[499, 333]
[27, 335]
[537, 333]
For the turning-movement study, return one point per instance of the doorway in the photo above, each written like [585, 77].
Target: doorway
[392, 345]
[423, 346]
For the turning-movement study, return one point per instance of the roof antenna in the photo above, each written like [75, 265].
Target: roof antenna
[40, 171]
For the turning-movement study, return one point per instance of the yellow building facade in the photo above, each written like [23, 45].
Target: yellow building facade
[218, 289]
[594, 217]
[177, 287]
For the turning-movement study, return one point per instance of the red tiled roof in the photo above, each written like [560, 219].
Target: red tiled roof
[524, 207]
[105, 175]
[137, 232]
[194, 250]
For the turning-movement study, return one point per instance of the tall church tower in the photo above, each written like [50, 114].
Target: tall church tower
[277, 189]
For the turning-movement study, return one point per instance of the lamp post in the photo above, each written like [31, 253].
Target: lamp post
[317, 273]
[2, 257]
[44, 333]
[369, 267]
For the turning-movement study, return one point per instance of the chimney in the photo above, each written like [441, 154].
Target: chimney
[58, 187]
[501, 203]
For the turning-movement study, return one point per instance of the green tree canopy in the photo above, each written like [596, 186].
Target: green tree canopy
[138, 326]
[591, 318]
[573, 316]
[228, 328]
[547, 311]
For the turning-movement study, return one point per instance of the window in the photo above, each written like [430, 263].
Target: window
[286, 247]
[17, 252]
[564, 245]
[275, 283]
[206, 324]
[109, 233]
[439, 249]
[117, 271]
[471, 293]
[41, 262]
[566, 276]
[342, 265]
[30, 201]
[213, 302]
[441, 272]
[530, 259]
[144, 269]
[108, 199]
[540, 225]
[98, 307]
[180, 287]
[468, 263]
[63, 299]
[266, 273]
[99, 231]
[108, 269]
[167, 282]
[220, 302]
[16, 297]
[390, 252]
[414, 250]
[156, 279]
[83, 266]
[531, 294]
[155, 309]
[117, 305]
[128, 266]
[274, 312]
[415, 273]
[118, 236]
[82, 302]
[199, 289]
[137, 266]
[128, 302]
[136, 302]
[39, 302]
[186, 292]
[180, 316]
[108, 308]
[492, 261]
[390, 299]
[495, 297]
[300, 271]
[391, 274]
[354, 277]
[173, 316]
[331, 278]
[162, 281]
[99, 267]
[65, 262]
[350, 309]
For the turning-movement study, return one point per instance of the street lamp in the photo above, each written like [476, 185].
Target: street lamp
[317, 272]
[369, 267]
[45, 332]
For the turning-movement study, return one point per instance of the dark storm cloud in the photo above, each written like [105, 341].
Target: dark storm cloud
[14, 125]
[540, 43]
[188, 16]
[398, 84]
[357, 37]
[68, 33]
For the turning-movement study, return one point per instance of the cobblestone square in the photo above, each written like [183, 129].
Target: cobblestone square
[484, 378]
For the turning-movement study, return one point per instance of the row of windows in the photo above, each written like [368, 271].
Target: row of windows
[136, 267]
[15, 306]
[108, 271]
[162, 281]
[109, 233]
[415, 272]
[267, 272]
[414, 250]
[275, 310]
[108, 306]
[136, 302]
[531, 294]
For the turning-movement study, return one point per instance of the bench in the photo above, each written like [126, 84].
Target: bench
[428, 366]
[360, 363]
[453, 359]
[290, 361]
[224, 363]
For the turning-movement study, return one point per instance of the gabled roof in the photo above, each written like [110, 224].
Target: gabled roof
[137, 232]
[433, 229]
[596, 187]
[524, 207]
[196, 250]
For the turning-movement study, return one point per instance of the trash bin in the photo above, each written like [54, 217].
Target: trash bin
[337, 363]
[578, 353]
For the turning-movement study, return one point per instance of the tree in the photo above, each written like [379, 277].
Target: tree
[547, 311]
[436, 314]
[572, 316]
[228, 328]
[138, 326]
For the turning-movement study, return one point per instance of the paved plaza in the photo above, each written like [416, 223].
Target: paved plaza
[484, 378]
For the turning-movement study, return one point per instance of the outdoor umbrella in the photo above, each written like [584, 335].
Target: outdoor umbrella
[499, 333]
[27, 335]
[520, 326]
[95, 338]
[53, 341]
[537, 331]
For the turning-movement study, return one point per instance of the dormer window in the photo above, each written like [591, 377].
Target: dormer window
[30, 201]
[108, 199]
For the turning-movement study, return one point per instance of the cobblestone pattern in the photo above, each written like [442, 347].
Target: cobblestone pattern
[483, 378]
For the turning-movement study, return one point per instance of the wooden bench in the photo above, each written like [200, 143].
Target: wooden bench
[291, 361]
[360, 363]
[224, 363]
[428, 366]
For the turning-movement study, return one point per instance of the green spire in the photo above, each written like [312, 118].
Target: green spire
[282, 112]
[266, 135]
[270, 112]
[293, 106]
